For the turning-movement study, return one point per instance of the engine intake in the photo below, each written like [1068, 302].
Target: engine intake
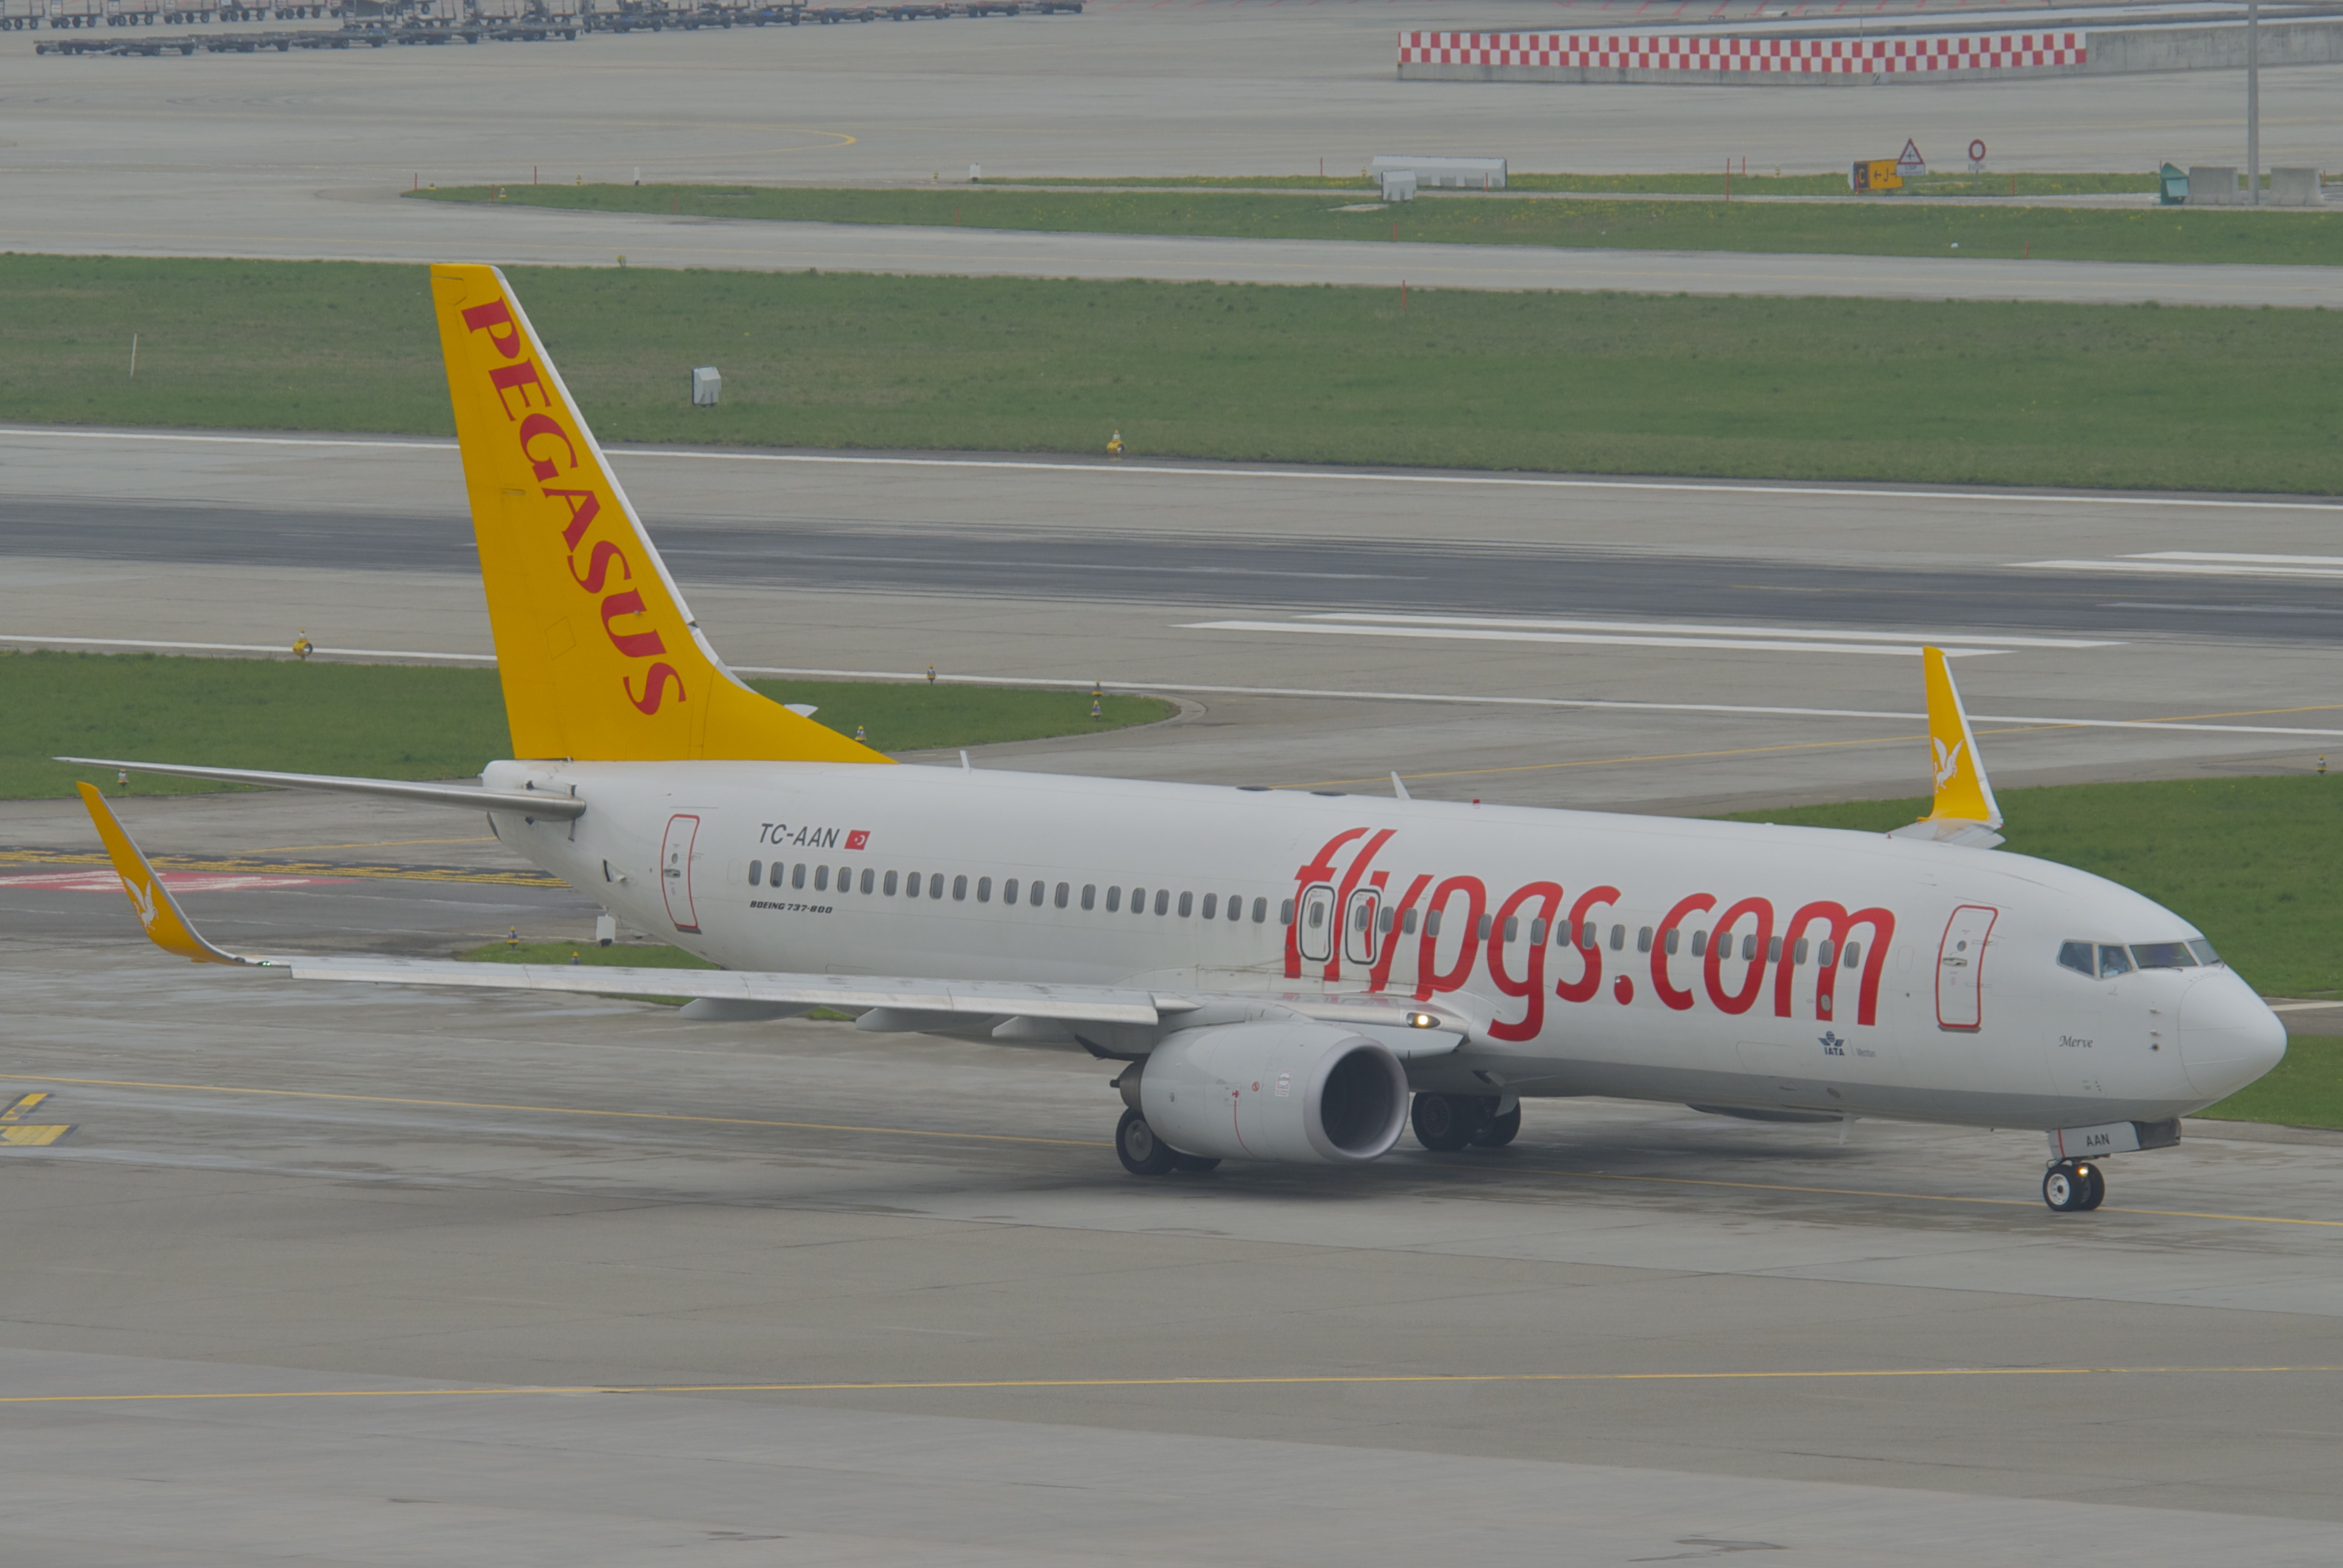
[1314, 1094]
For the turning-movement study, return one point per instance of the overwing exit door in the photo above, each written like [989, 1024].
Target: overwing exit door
[675, 871]
[1960, 967]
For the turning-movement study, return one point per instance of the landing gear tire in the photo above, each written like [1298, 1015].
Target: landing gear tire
[1194, 1164]
[2072, 1187]
[1443, 1122]
[1496, 1132]
[1142, 1152]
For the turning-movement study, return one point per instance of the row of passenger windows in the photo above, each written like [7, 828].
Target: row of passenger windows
[1013, 890]
[1588, 934]
[2104, 961]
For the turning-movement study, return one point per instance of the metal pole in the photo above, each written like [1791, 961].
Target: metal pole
[2254, 103]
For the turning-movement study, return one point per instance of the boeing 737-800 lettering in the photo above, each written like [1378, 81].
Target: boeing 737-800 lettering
[1277, 975]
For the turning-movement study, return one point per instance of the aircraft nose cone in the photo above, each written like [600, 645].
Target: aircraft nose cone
[2228, 1037]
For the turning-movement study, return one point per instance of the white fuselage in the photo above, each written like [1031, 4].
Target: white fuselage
[1733, 965]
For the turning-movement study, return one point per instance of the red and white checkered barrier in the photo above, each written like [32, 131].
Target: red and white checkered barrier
[1788, 57]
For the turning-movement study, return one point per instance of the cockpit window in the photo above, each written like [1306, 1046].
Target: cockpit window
[2204, 951]
[2113, 960]
[2164, 956]
[2079, 957]
[2194, 953]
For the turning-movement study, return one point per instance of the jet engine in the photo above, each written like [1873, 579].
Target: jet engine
[1285, 1090]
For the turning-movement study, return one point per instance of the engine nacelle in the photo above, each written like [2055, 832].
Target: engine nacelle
[1282, 1090]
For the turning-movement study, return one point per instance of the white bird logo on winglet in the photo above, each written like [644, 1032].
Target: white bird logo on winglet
[142, 898]
[1948, 761]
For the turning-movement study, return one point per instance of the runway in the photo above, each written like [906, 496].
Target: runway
[302, 156]
[1638, 644]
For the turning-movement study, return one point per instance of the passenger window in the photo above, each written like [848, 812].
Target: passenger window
[1163, 900]
[1114, 898]
[1261, 911]
[797, 875]
[867, 876]
[1798, 953]
[1062, 896]
[1825, 953]
[1618, 938]
[1586, 935]
[983, 890]
[1774, 951]
[1008, 891]
[846, 879]
[1035, 898]
[1285, 912]
[1644, 940]
[2113, 961]
[1431, 924]
[2204, 950]
[1138, 900]
[1537, 933]
[891, 884]
[1481, 933]
[756, 872]
[1670, 942]
[935, 884]
[1383, 921]
[2079, 957]
[1089, 896]
[1317, 915]
[1407, 924]
[820, 878]
[1211, 906]
[911, 884]
[1187, 905]
[1236, 908]
[1853, 956]
[960, 887]
[1699, 944]
[1513, 927]
[1749, 947]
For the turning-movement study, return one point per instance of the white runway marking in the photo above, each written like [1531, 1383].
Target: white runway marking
[1443, 699]
[1343, 476]
[1692, 628]
[1599, 640]
[2204, 564]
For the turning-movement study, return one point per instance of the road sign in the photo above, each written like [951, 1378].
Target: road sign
[1909, 164]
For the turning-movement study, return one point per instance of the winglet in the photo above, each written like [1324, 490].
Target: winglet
[157, 911]
[1964, 810]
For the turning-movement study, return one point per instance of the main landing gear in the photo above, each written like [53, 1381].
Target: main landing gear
[2073, 1187]
[1144, 1154]
[1447, 1122]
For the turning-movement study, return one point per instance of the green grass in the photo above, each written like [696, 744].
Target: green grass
[1911, 391]
[1758, 184]
[2253, 863]
[2306, 1090]
[403, 721]
[1887, 226]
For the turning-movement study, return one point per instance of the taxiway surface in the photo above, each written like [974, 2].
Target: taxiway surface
[333, 1274]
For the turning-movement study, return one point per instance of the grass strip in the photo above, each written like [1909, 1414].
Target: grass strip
[1715, 185]
[1807, 390]
[1887, 226]
[404, 722]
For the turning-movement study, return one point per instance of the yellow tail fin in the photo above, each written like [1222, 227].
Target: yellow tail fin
[1964, 794]
[600, 659]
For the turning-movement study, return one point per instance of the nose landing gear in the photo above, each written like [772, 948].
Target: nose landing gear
[2073, 1187]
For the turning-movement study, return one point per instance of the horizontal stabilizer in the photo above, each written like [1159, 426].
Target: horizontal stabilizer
[469, 796]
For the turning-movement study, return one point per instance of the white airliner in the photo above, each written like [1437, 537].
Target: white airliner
[1277, 974]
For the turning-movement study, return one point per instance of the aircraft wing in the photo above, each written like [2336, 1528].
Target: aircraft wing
[903, 1003]
[556, 806]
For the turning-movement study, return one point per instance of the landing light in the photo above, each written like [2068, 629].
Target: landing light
[1421, 1020]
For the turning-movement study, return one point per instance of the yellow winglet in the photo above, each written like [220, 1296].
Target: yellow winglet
[1962, 792]
[157, 911]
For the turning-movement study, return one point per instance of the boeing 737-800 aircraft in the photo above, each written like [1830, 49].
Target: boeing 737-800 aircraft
[1275, 973]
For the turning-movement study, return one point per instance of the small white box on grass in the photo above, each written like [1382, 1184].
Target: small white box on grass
[705, 386]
